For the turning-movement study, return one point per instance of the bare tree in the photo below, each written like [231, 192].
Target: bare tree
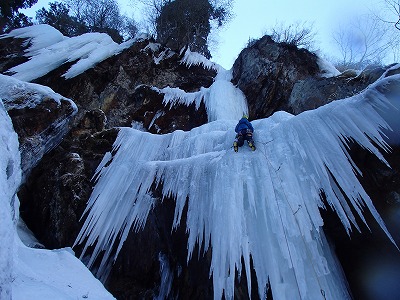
[130, 28]
[99, 16]
[394, 11]
[364, 41]
[151, 10]
[299, 34]
[393, 17]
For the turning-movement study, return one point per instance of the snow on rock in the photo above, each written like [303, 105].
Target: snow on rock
[327, 68]
[48, 49]
[222, 99]
[157, 55]
[41, 117]
[153, 47]
[261, 205]
[45, 55]
[193, 58]
[18, 94]
[54, 274]
[37, 37]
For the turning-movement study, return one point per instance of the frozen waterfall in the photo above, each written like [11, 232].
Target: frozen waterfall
[261, 205]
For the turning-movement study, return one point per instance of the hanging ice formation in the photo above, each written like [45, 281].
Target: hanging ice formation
[264, 204]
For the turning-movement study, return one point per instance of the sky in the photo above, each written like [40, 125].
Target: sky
[253, 17]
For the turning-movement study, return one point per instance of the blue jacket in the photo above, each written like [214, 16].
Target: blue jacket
[243, 125]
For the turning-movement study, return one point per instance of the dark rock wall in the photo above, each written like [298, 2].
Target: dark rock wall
[55, 195]
[11, 53]
[313, 92]
[120, 86]
[267, 71]
[371, 262]
[40, 128]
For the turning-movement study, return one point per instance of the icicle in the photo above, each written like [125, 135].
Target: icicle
[264, 204]
[222, 99]
[193, 58]
[166, 277]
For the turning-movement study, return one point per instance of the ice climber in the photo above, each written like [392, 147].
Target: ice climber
[244, 131]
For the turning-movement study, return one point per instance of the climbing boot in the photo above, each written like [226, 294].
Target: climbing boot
[235, 146]
[252, 146]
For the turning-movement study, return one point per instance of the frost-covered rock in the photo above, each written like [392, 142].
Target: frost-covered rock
[40, 116]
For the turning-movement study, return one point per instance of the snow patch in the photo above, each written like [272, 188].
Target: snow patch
[30, 94]
[83, 51]
[54, 274]
[138, 125]
[327, 68]
[196, 59]
[153, 47]
[37, 37]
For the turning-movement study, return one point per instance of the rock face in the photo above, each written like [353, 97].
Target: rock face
[37, 136]
[55, 195]
[313, 92]
[40, 117]
[267, 71]
[121, 87]
[117, 92]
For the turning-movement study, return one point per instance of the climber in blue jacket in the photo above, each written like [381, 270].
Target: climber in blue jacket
[244, 131]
